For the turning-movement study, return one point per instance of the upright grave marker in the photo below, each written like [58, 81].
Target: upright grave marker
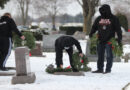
[49, 42]
[37, 51]
[23, 72]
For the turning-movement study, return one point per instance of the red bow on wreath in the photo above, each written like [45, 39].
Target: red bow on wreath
[68, 67]
[109, 43]
[82, 61]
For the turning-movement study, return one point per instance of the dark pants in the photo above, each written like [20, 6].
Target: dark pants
[5, 50]
[59, 55]
[101, 48]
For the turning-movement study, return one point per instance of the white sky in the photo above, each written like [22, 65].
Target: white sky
[72, 9]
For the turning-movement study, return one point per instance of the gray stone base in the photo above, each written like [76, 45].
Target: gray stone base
[38, 56]
[70, 73]
[127, 87]
[7, 73]
[30, 78]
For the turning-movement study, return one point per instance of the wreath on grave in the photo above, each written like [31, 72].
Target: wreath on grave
[79, 63]
[116, 48]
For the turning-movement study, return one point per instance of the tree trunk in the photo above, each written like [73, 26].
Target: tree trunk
[89, 22]
[85, 17]
[85, 25]
[53, 23]
[24, 6]
[88, 7]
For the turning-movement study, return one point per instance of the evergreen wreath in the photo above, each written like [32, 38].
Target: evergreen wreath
[79, 63]
[50, 69]
[116, 48]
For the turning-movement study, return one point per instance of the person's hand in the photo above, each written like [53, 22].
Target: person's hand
[81, 55]
[22, 37]
[61, 66]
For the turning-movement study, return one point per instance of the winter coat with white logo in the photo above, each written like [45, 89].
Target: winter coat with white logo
[107, 25]
[7, 26]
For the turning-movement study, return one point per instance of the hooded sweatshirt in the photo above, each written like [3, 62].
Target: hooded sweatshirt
[107, 25]
[66, 42]
[7, 26]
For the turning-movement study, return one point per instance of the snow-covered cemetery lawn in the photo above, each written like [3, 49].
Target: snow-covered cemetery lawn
[116, 80]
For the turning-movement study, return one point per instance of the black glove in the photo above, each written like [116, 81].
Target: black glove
[90, 35]
[119, 42]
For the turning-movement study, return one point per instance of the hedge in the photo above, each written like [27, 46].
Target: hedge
[123, 21]
[71, 30]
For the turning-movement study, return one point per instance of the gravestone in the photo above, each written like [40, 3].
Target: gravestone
[7, 73]
[70, 73]
[23, 72]
[49, 42]
[94, 58]
[79, 35]
[37, 51]
[126, 38]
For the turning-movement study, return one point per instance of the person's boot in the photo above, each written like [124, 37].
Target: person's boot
[97, 71]
[3, 69]
[107, 72]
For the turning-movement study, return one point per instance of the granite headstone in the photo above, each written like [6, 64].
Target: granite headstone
[37, 51]
[23, 72]
[49, 42]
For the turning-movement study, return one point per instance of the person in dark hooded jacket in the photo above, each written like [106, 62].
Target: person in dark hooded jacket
[66, 42]
[7, 26]
[106, 25]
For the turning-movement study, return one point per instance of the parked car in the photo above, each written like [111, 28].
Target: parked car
[22, 28]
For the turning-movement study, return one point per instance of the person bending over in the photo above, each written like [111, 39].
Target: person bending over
[66, 43]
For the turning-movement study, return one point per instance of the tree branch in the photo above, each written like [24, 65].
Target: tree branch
[79, 2]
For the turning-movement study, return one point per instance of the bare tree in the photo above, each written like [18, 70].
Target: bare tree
[88, 7]
[51, 8]
[120, 6]
[2, 3]
[24, 8]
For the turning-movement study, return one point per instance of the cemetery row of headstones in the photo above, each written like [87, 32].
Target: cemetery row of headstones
[23, 72]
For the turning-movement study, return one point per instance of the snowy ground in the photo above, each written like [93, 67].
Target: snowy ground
[116, 80]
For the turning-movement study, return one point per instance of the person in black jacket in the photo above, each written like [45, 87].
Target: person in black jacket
[7, 26]
[106, 25]
[66, 42]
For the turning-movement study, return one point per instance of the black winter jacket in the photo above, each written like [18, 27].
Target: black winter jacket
[67, 41]
[7, 26]
[107, 25]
